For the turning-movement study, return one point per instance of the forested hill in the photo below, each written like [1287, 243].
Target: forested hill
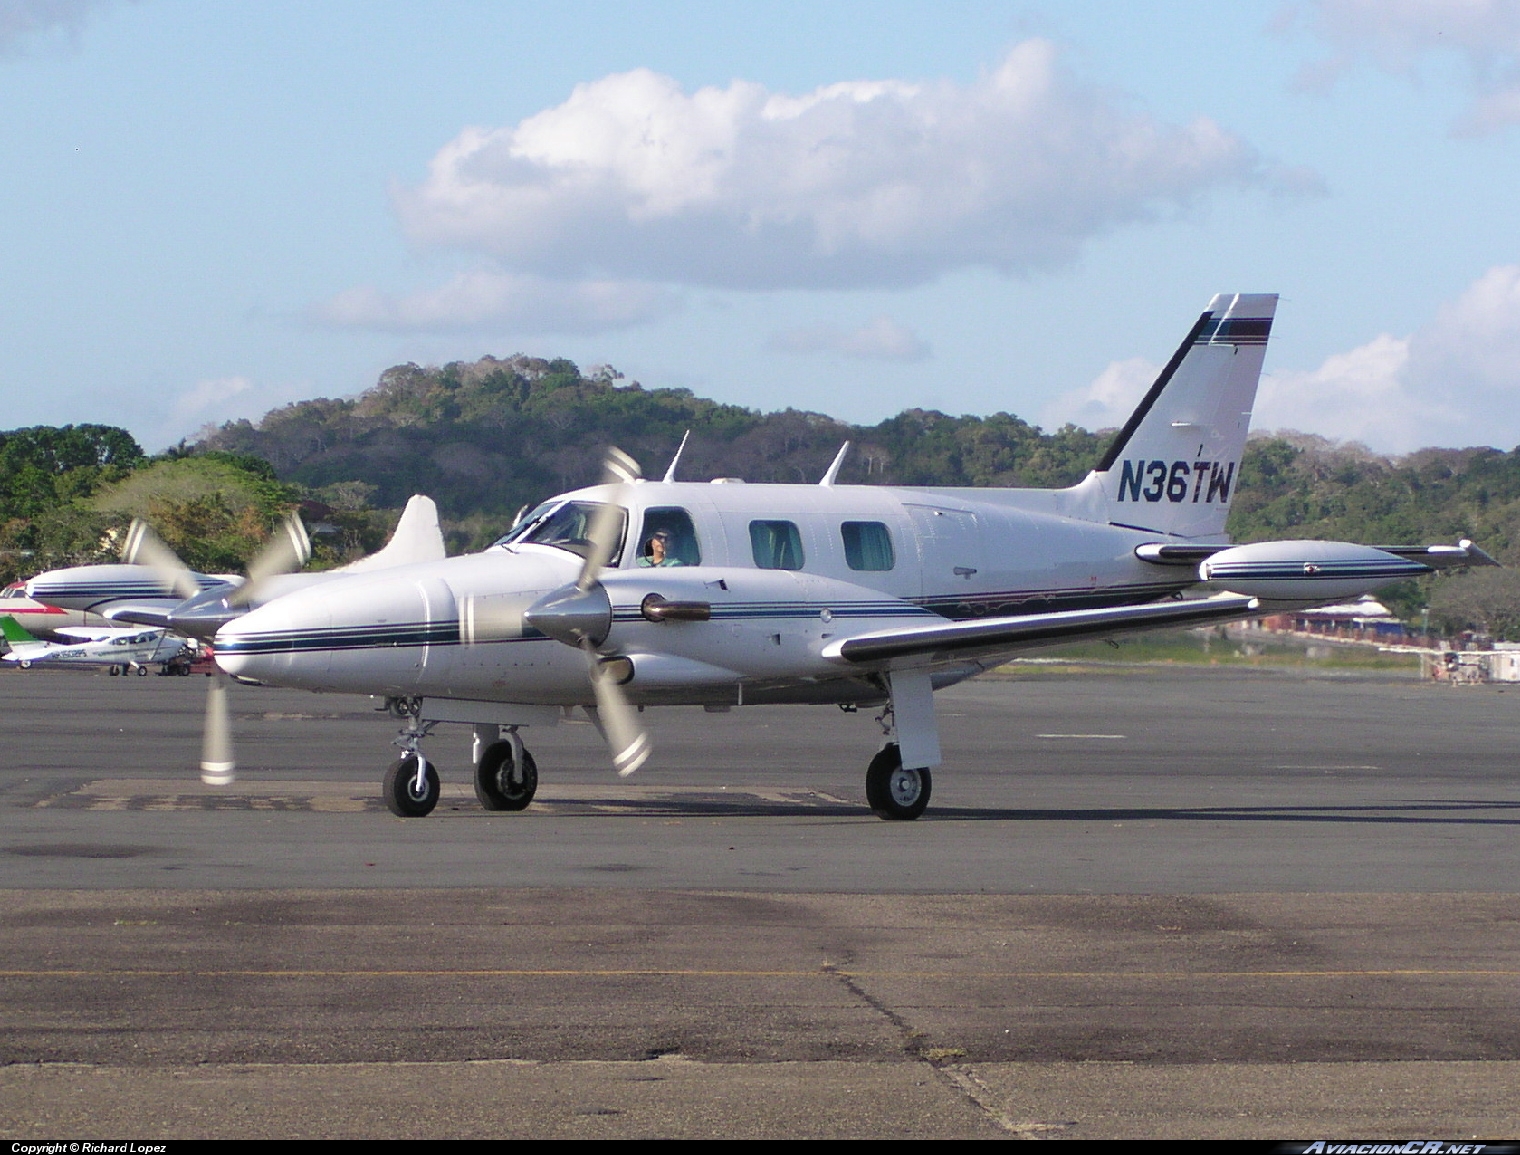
[487, 437]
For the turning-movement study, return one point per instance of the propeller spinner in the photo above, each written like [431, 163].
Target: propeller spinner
[580, 615]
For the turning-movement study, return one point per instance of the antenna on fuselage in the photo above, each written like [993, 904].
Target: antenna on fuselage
[670, 474]
[833, 470]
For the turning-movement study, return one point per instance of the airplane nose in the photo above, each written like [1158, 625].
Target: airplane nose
[280, 643]
[370, 634]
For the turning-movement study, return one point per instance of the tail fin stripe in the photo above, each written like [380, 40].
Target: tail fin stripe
[1237, 331]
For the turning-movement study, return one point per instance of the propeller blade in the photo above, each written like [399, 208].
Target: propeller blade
[620, 470]
[626, 739]
[144, 547]
[217, 764]
[287, 550]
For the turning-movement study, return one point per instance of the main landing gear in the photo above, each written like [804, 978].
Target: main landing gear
[892, 790]
[898, 782]
[506, 777]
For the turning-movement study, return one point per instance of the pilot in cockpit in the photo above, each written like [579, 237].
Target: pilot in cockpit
[657, 550]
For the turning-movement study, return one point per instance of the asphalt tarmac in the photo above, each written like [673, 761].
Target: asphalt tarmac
[1176, 903]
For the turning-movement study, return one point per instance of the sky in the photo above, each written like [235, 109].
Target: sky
[207, 211]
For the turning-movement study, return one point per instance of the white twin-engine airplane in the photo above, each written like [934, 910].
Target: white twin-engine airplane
[638, 593]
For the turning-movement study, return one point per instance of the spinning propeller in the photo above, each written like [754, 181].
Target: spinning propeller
[580, 615]
[204, 612]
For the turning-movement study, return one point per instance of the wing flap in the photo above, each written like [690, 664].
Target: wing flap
[987, 638]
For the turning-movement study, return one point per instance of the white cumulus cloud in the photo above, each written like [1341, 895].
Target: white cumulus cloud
[882, 339]
[523, 302]
[25, 21]
[1400, 35]
[1455, 381]
[1108, 401]
[857, 183]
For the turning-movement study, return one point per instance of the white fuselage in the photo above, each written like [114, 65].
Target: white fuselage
[454, 628]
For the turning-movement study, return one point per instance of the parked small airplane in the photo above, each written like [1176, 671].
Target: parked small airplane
[42, 620]
[118, 650]
[638, 593]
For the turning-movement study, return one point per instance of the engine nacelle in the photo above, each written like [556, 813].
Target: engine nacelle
[1303, 573]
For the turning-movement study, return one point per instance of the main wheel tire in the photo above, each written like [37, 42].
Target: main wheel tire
[400, 793]
[142, 671]
[493, 779]
[115, 670]
[893, 792]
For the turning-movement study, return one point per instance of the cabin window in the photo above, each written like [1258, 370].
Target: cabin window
[776, 544]
[867, 545]
[668, 539]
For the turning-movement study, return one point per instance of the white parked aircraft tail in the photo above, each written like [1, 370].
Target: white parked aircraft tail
[417, 538]
[1175, 465]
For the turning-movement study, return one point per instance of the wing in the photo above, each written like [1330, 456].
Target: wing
[144, 613]
[1441, 556]
[93, 633]
[994, 638]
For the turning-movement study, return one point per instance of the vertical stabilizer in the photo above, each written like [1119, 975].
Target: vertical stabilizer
[418, 538]
[1174, 467]
[14, 632]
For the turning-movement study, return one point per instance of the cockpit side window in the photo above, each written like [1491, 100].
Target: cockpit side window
[668, 539]
[776, 544]
[565, 526]
[867, 545]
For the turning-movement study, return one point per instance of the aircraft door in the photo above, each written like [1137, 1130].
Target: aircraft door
[950, 543]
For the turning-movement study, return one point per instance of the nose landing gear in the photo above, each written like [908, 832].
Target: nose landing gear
[411, 783]
[506, 777]
[411, 787]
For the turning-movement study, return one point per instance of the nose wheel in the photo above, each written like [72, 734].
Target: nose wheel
[894, 791]
[411, 787]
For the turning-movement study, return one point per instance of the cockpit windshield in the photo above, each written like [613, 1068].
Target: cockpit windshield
[565, 525]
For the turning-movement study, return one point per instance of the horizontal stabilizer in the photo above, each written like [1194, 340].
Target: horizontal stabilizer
[993, 637]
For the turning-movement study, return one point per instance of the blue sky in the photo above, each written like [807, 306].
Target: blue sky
[210, 210]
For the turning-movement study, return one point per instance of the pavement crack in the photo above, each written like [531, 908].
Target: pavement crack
[912, 1040]
[941, 1060]
[970, 1085]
